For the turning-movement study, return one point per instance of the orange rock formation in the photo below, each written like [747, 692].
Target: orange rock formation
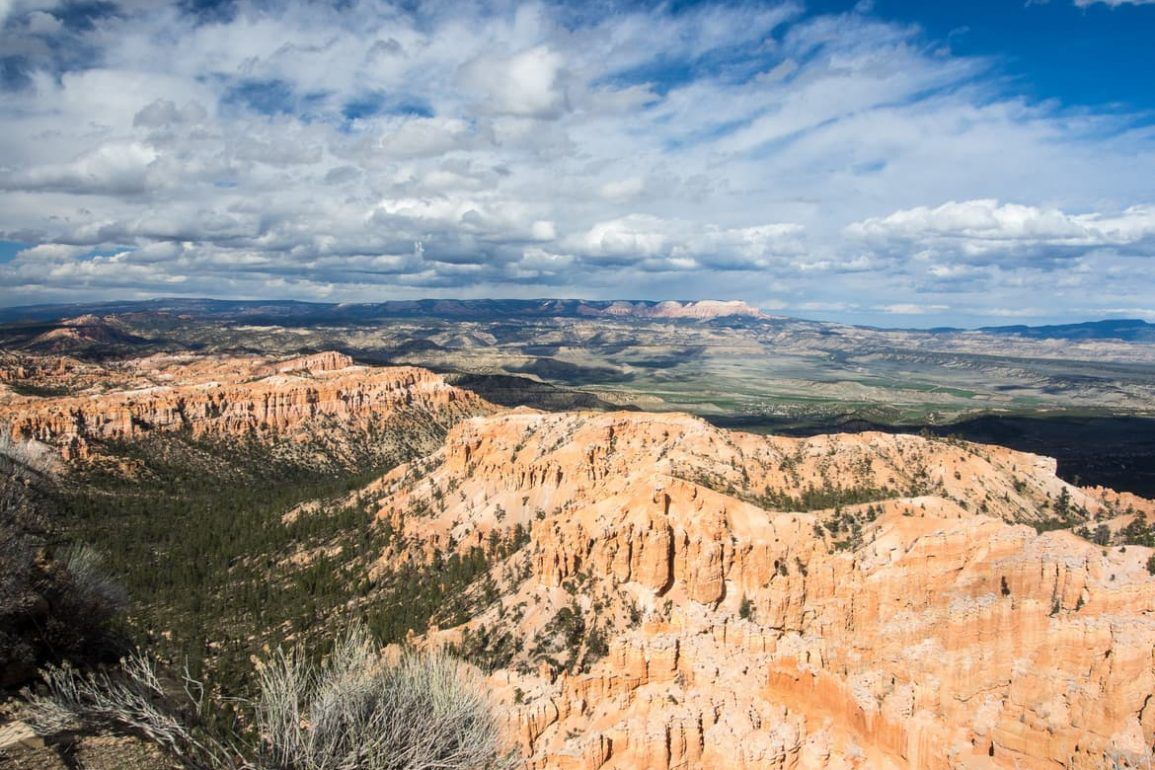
[292, 399]
[688, 597]
[856, 601]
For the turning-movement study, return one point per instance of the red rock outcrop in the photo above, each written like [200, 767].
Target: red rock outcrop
[857, 601]
[294, 399]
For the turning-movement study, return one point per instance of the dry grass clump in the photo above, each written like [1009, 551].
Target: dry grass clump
[420, 712]
[131, 698]
[92, 583]
[353, 711]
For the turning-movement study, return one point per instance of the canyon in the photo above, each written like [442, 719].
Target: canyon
[656, 592]
[923, 623]
[297, 401]
[1033, 388]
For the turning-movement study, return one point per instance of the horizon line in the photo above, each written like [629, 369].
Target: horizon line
[765, 314]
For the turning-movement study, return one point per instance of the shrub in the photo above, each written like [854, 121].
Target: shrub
[128, 699]
[53, 610]
[353, 710]
[597, 647]
[93, 592]
[422, 711]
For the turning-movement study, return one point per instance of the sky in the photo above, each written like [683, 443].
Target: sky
[895, 162]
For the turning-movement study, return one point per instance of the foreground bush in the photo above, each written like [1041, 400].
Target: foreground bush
[53, 609]
[418, 712]
[132, 699]
[55, 605]
[354, 711]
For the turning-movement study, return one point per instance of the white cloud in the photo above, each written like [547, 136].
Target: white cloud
[986, 229]
[40, 22]
[621, 190]
[660, 244]
[113, 169]
[749, 152]
[525, 84]
[1112, 3]
[50, 252]
[908, 308]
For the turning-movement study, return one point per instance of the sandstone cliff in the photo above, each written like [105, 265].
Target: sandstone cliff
[315, 397]
[693, 598]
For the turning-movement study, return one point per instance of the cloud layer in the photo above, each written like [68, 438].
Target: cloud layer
[1112, 3]
[364, 150]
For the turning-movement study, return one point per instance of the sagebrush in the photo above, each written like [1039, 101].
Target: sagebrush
[352, 711]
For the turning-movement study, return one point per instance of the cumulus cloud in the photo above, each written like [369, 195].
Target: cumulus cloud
[985, 229]
[41, 23]
[1112, 3]
[524, 84]
[653, 243]
[113, 169]
[414, 149]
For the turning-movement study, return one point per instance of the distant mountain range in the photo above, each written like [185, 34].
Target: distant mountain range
[1128, 329]
[280, 311]
[480, 309]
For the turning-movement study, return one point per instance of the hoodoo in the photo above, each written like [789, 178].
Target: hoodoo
[690, 597]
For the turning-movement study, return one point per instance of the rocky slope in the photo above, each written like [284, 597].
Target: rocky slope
[322, 398]
[688, 597]
[655, 592]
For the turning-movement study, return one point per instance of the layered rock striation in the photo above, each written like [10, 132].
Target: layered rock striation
[688, 597]
[299, 399]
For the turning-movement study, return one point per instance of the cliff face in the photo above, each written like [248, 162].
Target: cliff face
[663, 594]
[701, 310]
[296, 400]
[690, 597]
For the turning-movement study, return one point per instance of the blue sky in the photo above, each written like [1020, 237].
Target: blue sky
[1089, 56]
[889, 162]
